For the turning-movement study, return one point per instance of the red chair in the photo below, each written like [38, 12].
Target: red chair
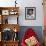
[29, 33]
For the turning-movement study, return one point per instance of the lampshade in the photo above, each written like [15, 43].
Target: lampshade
[15, 30]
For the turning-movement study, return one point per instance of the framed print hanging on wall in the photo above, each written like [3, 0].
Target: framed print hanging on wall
[30, 13]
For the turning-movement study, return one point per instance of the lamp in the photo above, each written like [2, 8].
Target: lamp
[15, 30]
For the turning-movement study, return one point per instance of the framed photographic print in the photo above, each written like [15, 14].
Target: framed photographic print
[30, 13]
[5, 12]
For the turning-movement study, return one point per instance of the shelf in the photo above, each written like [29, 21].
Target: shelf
[10, 26]
[11, 41]
[9, 10]
[8, 15]
[9, 7]
[6, 12]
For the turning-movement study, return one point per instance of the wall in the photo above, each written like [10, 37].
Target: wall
[27, 3]
[39, 13]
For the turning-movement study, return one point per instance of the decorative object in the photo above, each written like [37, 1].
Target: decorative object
[15, 30]
[15, 3]
[15, 37]
[13, 12]
[30, 13]
[9, 21]
[7, 34]
[6, 21]
[5, 12]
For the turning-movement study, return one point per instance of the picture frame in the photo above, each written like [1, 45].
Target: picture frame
[30, 13]
[5, 12]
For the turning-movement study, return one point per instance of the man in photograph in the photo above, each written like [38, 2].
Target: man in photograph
[30, 13]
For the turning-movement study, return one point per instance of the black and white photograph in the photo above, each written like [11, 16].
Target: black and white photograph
[30, 13]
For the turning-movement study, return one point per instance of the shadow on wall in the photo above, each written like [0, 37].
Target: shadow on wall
[37, 29]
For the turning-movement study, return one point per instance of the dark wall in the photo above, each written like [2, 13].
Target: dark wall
[37, 29]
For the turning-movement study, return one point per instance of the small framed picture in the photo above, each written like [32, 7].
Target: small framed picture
[30, 13]
[5, 12]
